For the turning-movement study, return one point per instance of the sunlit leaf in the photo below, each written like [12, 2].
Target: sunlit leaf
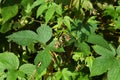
[41, 9]
[66, 74]
[87, 4]
[58, 75]
[89, 60]
[12, 10]
[58, 9]
[59, 21]
[44, 33]
[49, 14]
[118, 9]
[28, 69]
[24, 3]
[67, 22]
[37, 2]
[5, 27]
[8, 59]
[12, 75]
[110, 10]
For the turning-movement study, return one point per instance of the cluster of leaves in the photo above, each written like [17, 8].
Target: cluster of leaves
[59, 40]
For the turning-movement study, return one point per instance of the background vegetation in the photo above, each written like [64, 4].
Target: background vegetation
[59, 39]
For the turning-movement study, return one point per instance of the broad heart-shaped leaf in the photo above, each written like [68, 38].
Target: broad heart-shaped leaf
[49, 14]
[25, 37]
[8, 12]
[42, 60]
[101, 65]
[2, 68]
[9, 60]
[12, 75]
[28, 69]
[44, 33]
[98, 40]
[41, 9]
[114, 72]
[103, 51]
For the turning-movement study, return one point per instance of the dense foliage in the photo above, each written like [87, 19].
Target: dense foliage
[59, 39]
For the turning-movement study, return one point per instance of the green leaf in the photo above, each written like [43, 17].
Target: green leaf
[37, 2]
[78, 56]
[110, 10]
[114, 72]
[9, 12]
[92, 25]
[67, 22]
[84, 47]
[87, 5]
[117, 23]
[6, 27]
[42, 60]
[52, 46]
[2, 77]
[49, 14]
[44, 33]
[28, 69]
[58, 10]
[28, 9]
[41, 9]
[8, 59]
[2, 68]
[12, 75]
[98, 40]
[118, 9]
[39, 77]
[25, 37]
[76, 4]
[103, 51]
[118, 50]
[83, 77]
[66, 74]
[59, 21]
[24, 3]
[58, 75]
[89, 60]
[101, 65]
